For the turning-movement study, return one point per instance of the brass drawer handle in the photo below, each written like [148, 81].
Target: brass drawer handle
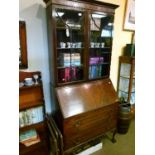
[77, 124]
[77, 141]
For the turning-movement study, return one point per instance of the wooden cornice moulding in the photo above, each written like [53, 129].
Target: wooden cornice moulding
[87, 2]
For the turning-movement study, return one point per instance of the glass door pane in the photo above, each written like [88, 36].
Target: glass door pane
[101, 27]
[70, 43]
[132, 98]
[125, 70]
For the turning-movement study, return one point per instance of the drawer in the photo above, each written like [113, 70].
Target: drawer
[87, 120]
[97, 129]
[89, 125]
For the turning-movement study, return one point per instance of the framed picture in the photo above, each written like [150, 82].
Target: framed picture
[129, 19]
[23, 64]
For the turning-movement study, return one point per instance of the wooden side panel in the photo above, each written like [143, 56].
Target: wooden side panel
[30, 97]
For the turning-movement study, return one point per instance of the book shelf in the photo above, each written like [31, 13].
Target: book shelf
[76, 36]
[126, 79]
[32, 115]
[80, 35]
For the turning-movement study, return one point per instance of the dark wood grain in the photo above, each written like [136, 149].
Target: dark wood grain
[85, 97]
[30, 97]
[86, 4]
[89, 110]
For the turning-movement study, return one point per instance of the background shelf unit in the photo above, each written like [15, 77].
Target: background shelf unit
[126, 79]
[31, 99]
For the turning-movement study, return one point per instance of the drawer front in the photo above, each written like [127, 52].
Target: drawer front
[89, 125]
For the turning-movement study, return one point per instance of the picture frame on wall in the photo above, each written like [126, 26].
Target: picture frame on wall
[23, 62]
[129, 18]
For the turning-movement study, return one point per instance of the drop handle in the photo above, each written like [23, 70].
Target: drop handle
[77, 141]
[77, 124]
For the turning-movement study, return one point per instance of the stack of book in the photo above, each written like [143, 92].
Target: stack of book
[75, 59]
[70, 74]
[95, 71]
[67, 59]
[31, 116]
[95, 68]
[29, 137]
[95, 60]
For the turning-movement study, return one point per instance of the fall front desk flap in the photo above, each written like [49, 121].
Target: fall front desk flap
[84, 97]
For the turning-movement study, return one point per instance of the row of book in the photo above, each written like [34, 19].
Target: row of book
[29, 137]
[96, 60]
[95, 71]
[31, 116]
[67, 59]
[70, 74]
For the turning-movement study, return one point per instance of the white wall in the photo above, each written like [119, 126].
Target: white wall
[34, 14]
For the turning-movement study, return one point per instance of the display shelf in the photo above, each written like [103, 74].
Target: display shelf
[125, 91]
[58, 48]
[32, 113]
[72, 28]
[63, 67]
[29, 105]
[78, 25]
[29, 87]
[37, 126]
[126, 78]
[42, 145]
[100, 48]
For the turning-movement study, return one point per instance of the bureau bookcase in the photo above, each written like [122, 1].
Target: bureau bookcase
[80, 36]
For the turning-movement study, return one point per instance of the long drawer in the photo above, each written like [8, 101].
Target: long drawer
[88, 125]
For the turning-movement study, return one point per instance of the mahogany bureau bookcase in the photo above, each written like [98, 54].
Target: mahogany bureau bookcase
[80, 36]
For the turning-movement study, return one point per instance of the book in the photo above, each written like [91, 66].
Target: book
[28, 135]
[94, 72]
[75, 59]
[31, 141]
[96, 60]
[67, 74]
[67, 59]
[31, 116]
[21, 121]
[64, 59]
